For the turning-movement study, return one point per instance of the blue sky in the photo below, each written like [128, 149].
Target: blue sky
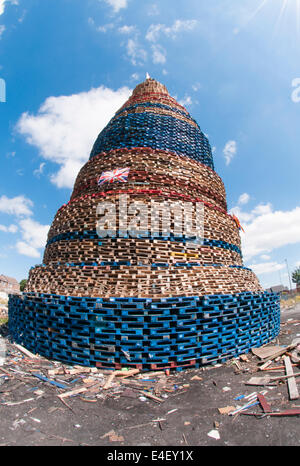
[68, 65]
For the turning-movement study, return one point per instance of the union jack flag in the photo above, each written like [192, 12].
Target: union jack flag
[238, 223]
[119, 174]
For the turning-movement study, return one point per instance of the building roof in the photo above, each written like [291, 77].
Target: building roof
[277, 289]
[10, 280]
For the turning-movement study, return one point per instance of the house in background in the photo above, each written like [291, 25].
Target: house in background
[9, 285]
[278, 289]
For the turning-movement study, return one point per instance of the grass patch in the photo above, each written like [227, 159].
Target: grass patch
[3, 320]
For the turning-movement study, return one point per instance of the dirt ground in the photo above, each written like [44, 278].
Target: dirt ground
[187, 413]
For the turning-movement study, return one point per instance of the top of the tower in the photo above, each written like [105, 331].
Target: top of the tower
[150, 85]
[152, 118]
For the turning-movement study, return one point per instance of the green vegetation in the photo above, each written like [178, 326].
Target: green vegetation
[3, 320]
[296, 276]
[23, 284]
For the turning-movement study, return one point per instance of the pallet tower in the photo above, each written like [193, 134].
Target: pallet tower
[152, 300]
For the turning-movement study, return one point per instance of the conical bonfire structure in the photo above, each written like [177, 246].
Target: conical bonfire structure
[143, 266]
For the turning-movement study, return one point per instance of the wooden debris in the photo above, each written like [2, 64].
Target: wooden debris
[271, 352]
[76, 391]
[244, 358]
[58, 371]
[123, 374]
[153, 397]
[269, 380]
[226, 410]
[292, 386]
[196, 377]
[264, 404]
[52, 382]
[265, 365]
[26, 352]
[113, 437]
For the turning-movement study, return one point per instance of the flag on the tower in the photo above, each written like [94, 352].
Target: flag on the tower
[238, 223]
[119, 174]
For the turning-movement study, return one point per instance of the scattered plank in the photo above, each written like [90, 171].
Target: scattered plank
[6, 372]
[15, 403]
[292, 386]
[152, 397]
[123, 374]
[26, 352]
[226, 410]
[269, 380]
[264, 404]
[265, 352]
[260, 381]
[265, 365]
[280, 352]
[52, 382]
[76, 391]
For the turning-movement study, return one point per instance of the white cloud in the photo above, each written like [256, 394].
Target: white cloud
[34, 236]
[2, 30]
[66, 127]
[27, 250]
[136, 53]
[196, 87]
[156, 30]
[117, 4]
[105, 27]
[158, 54]
[11, 229]
[185, 101]
[19, 205]
[3, 2]
[135, 76]
[126, 29]
[265, 257]
[267, 229]
[38, 172]
[230, 151]
[244, 199]
[266, 267]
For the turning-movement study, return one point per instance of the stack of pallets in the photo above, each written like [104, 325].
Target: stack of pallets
[155, 295]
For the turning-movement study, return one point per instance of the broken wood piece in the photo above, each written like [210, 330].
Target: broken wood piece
[26, 352]
[294, 357]
[196, 377]
[123, 374]
[52, 382]
[292, 386]
[78, 370]
[108, 383]
[76, 391]
[58, 371]
[265, 365]
[264, 404]
[244, 358]
[269, 380]
[6, 372]
[287, 412]
[272, 352]
[260, 381]
[226, 410]
[152, 397]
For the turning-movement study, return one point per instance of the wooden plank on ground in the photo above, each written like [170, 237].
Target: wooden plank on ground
[292, 386]
[267, 357]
